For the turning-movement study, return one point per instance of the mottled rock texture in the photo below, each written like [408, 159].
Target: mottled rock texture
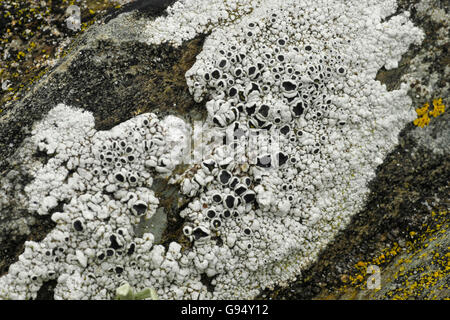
[404, 227]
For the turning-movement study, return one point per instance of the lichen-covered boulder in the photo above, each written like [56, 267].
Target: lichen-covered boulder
[228, 181]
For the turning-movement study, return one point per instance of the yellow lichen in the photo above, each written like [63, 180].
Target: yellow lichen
[439, 108]
[423, 114]
[424, 280]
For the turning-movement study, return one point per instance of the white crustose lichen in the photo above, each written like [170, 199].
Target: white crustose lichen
[290, 87]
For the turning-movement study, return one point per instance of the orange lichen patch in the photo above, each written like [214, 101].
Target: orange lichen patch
[423, 114]
[419, 272]
[422, 111]
[359, 279]
[439, 108]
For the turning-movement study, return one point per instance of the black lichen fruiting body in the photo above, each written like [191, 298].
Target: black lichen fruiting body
[264, 161]
[288, 86]
[78, 225]
[118, 270]
[250, 110]
[209, 165]
[217, 198]
[131, 249]
[229, 201]
[216, 223]
[119, 177]
[234, 182]
[224, 177]
[199, 233]
[139, 208]
[285, 129]
[241, 189]
[114, 244]
[250, 196]
[211, 214]
[298, 109]
[264, 110]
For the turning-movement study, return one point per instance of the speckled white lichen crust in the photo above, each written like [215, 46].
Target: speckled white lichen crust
[297, 77]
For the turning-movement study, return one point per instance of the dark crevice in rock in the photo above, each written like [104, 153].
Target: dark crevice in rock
[12, 239]
[219, 240]
[10, 250]
[59, 207]
[13, 248]
[47, 290]
[391, 78]
[206, 281]
[147, 8]
[173, 202]
[42, 156]
[70, 172]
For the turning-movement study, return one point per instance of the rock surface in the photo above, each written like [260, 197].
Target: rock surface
[109, 72]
